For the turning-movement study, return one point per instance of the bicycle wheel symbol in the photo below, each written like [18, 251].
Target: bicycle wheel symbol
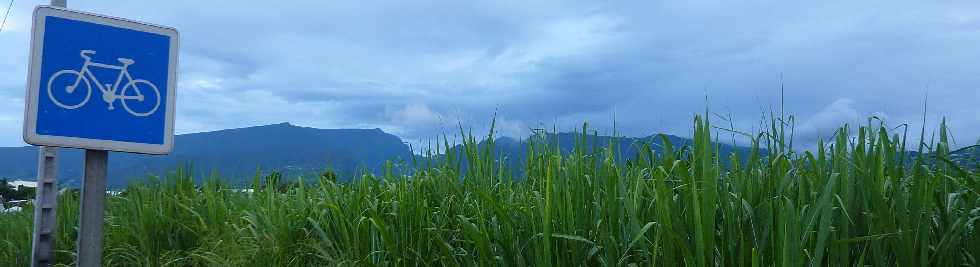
[67, 88]
[135, 104]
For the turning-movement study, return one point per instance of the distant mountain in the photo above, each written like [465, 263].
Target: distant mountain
[514, 151]
[236, 154]
[968, 157]
[232, 153]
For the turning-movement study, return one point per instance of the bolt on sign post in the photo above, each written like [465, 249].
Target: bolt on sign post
[101, 84]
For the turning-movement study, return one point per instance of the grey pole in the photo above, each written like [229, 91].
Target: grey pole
[45, 206]
[46, 199]
[93, 207]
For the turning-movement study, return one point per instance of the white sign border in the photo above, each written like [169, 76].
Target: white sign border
[33, 84]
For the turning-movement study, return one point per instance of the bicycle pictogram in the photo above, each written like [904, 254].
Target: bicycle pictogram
[130, 94]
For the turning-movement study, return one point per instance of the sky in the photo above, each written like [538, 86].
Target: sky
[420, 69]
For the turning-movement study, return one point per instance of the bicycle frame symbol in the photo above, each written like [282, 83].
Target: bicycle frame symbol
[109, 91]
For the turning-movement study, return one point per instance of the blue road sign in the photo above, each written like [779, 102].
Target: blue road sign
[98, 82]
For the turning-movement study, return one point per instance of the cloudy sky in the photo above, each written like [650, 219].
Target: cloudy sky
[418, 69]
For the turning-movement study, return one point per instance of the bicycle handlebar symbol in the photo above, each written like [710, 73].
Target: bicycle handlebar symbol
[134, 87]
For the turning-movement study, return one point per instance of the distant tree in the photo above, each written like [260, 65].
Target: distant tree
[24, 192]
[8, 192]
[329, 175]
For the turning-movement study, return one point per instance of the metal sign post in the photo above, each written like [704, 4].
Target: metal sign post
[46, 199]
[71, 103]
[93, 202]
[45, 206]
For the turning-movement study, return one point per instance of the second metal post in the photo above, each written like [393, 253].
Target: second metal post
[93, 209]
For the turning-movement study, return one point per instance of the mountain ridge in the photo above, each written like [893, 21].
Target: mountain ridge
[237, 154]
[232, 153]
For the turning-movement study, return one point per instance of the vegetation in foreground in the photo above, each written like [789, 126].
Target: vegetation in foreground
[857, 200]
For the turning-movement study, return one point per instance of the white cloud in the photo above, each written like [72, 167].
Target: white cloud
[418, 68]
[415, 114]
[827, 120]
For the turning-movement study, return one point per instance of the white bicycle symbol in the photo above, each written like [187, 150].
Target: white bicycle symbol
[85, 76]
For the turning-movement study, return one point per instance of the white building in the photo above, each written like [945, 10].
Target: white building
[18, 183]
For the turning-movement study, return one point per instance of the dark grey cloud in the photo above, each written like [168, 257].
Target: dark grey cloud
[420, 68]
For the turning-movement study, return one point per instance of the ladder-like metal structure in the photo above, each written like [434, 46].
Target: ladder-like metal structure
[45, 205]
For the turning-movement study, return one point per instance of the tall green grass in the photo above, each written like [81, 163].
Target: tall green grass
[857, 199]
